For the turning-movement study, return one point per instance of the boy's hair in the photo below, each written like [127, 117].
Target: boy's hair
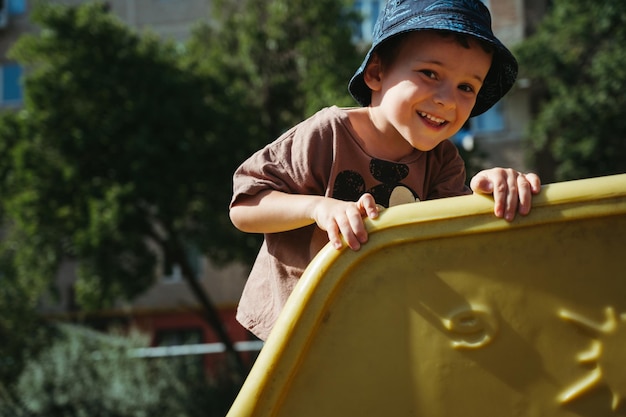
[467, 18]
[388, 51]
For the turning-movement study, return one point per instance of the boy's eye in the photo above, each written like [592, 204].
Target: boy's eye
[467, 88]
[429, 74]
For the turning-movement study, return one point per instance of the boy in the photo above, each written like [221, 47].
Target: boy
[433, 64]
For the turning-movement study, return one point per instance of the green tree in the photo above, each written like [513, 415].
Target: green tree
[21, 333]
[286, 59]
[115, 161]
[577, 62]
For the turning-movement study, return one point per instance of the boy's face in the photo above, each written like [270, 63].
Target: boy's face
[427, 93]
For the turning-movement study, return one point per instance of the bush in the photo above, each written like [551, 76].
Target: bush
[86, 374]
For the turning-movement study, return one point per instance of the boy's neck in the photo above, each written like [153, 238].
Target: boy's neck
[374, 141]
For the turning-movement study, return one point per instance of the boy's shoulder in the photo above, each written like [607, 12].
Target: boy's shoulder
[328, 115]
[326, 120]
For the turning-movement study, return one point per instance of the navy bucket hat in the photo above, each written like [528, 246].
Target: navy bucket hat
[468, 17]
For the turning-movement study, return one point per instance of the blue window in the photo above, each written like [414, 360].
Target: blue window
[374, 12]
[358, 31]
[369, 10]
[11, 86]
[17, 7]
[490, 121]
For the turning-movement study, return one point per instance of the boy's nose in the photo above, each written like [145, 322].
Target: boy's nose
[444, 96]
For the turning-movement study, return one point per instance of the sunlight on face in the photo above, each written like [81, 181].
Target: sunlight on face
[427, 93]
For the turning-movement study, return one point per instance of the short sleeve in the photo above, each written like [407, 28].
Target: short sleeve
[298, 162]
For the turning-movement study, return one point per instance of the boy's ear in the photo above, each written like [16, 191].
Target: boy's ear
[373, 73]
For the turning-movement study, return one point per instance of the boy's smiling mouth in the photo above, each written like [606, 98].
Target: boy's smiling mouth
[432, 119]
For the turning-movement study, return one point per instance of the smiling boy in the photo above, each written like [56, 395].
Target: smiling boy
[432, 65]
[424, 95]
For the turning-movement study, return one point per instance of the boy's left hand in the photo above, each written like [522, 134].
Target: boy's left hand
[512, 191]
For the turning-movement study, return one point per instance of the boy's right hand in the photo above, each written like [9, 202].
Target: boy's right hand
[345, 218]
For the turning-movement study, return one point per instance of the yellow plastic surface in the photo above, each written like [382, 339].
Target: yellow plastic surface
[449, 311]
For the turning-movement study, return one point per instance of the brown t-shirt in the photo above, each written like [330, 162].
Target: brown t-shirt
[322, 156]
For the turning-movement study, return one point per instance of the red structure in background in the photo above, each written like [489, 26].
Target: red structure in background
[185, 327]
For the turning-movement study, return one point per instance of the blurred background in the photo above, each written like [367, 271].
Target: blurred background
[121, 123]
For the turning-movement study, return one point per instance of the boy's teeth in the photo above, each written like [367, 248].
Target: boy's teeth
[432, 118]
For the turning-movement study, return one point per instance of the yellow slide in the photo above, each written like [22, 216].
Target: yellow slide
[449, 311]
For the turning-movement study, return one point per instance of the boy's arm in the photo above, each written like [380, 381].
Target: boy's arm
[274, 211]
[512, 190]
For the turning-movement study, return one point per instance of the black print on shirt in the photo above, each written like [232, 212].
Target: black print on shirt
[350, 185]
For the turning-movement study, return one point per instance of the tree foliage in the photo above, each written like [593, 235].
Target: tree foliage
[577, 61]
[115, 153]
[125, 147]
[123, 153]
[285, 59]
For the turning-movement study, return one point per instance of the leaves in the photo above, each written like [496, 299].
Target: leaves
[284, 59]
[578, 61]
[119, 143]
[112, 381]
